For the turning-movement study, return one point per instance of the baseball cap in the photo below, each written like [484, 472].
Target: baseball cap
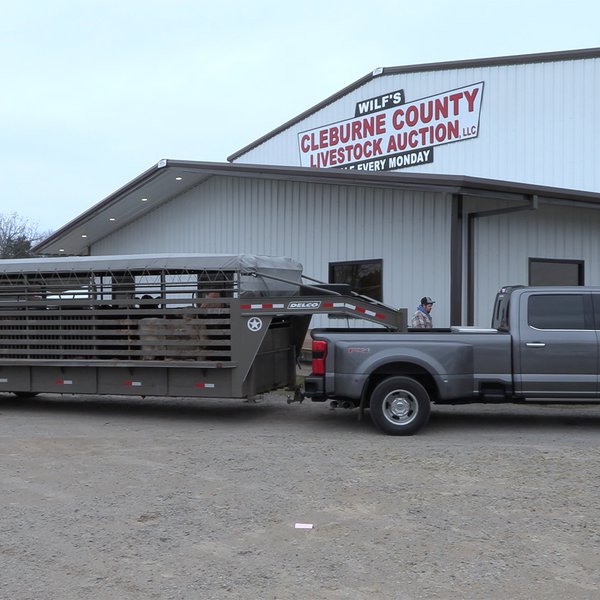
[427, 300]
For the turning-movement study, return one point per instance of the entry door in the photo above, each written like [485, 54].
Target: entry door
[558, 347]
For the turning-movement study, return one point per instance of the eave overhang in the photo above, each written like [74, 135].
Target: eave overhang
[170, 178]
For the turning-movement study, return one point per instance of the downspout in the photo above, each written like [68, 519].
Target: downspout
[531, 205]
[456, 260]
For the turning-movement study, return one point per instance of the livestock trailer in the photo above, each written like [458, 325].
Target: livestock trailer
[186, 325]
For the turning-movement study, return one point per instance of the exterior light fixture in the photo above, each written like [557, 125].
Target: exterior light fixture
[84, 235]
[61, 249]
[112, 219]
[178, 178]
[144, 199]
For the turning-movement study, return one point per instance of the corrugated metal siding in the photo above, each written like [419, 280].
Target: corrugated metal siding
[539, 123]
[504, 244]
[313, 223]
[410, 231]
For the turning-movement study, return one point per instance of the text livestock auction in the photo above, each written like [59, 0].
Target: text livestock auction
[396, 136]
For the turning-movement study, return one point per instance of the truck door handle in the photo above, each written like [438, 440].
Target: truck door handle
[535, 345]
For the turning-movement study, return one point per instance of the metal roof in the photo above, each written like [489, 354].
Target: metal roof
[245, 263]
[168, 179]
[520, 59]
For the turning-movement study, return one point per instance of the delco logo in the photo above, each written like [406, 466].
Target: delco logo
[304, 305]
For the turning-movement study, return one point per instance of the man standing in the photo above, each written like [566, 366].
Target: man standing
[422, 317]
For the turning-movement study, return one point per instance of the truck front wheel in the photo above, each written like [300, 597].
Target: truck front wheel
[400, 406]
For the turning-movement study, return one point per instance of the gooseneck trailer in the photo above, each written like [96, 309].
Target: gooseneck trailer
[185, 325]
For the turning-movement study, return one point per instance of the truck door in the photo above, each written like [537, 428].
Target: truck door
[557, 346]
[596, 305]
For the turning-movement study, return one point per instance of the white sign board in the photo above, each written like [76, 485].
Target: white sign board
[388, 133]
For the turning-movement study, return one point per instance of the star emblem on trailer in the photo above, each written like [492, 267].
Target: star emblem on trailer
[254, 324]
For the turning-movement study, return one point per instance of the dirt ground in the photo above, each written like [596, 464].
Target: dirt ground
[110, 498]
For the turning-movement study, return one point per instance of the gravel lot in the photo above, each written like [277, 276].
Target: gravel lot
[155, 498]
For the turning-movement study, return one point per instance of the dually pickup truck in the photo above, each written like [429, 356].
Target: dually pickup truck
[543, 346]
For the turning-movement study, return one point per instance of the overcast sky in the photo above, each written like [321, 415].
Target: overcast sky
[94, 92]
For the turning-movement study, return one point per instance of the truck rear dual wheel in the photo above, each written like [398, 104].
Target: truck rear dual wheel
[400, 406]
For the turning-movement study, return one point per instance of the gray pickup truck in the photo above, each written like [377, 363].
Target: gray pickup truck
[543, 346]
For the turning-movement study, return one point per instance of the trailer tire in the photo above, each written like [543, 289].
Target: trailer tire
[400, 406]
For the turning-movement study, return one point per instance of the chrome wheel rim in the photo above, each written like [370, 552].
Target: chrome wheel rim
[400, 407]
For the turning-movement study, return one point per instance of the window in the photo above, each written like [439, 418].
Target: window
[363, 276]
[547, 271]
[501, 314]
[557, 311]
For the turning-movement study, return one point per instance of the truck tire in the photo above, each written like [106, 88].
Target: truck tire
[400, 406]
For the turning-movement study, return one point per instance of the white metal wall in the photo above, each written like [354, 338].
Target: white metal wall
[409, 231]
[313, 223]
[539, 123]
[504, 244]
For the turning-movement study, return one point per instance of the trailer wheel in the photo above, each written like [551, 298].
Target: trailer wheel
[400, 406]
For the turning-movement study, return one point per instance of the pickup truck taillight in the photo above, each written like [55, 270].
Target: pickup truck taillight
[319, 353]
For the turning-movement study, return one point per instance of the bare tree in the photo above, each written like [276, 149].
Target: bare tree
[17, 235]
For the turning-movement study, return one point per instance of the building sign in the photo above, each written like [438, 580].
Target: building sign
[388, 133]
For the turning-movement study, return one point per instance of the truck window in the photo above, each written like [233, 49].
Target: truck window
[500, 316]
[556, 311]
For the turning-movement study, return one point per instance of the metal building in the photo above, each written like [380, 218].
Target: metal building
[528, 119]
[448, 180]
